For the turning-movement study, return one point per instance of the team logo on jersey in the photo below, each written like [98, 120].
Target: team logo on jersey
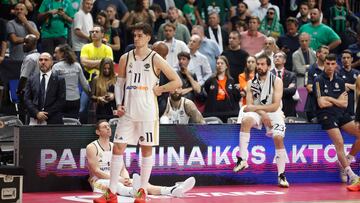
[336, 85]
[147, 66]
[230, 86]
[141, 138]
[130, 65]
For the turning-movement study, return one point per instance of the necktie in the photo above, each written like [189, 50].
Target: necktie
[279, 74]
[42, 92]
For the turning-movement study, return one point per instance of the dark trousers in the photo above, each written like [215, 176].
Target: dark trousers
[71, 109]
[49, 44]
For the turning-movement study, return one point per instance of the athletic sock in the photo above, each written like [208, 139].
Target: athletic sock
[244, 144]
[117, 162]
[280, 158]
[145, 171]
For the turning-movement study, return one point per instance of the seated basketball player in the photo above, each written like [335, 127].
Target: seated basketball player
[98, 154]
[263, 107]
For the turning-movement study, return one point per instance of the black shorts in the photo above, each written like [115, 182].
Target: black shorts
[329, 121]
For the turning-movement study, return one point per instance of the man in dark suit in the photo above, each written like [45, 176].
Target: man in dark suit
[289, 84]
[45, 94]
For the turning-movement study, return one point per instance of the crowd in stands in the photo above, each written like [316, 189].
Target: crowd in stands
[211, 44]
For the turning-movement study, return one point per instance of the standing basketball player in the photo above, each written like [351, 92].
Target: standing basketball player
[264, 108]
[136, 94]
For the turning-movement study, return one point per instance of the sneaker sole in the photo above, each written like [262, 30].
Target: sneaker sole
[241, 169]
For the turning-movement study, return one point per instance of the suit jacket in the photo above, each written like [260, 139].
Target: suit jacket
[299, 61]
[55, 97]
[289, 104]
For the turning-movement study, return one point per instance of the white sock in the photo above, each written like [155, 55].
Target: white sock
[145, 171]
[117, 162]
[280, 160]
[350, 173]
[350, 158]
[166, 190]
[124, 191]
[244, 144]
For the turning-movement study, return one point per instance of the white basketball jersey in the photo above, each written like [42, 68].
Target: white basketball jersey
[140, 101]
[104, 157]
[177, 116]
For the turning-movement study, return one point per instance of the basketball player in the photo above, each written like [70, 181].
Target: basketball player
[264, 108]
[357, 93]
[98, 155]
[135, 93]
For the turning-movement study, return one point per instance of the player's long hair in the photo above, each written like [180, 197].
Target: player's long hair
[104, 82]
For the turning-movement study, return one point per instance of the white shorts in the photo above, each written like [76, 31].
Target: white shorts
[137, 132]
[277, 122]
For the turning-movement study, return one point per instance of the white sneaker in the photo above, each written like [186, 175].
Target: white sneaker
[136, 183]
[282, 182]
[240, 165]
[343, 175]
[183, 187]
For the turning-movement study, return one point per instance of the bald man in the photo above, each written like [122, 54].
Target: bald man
[45, 107]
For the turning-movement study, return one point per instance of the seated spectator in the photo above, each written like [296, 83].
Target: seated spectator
[349, 75]
[355, 49]
[289, 84]
[102, 90]
[45, 94]
[269, 49]
[303, 58]
[68, 68]
[55, 18]
[248, 74]
[17, 29]
[111, 36]
[180, 110]
[199, 64]
[190, 86]
[222, 95]
[270, 25]
[242, 15]
[216, 33]
[252, 40]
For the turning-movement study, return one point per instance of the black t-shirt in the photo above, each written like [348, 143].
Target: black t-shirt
[237, 62]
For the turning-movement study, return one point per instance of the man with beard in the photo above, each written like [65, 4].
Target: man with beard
[180, 110]
[263, 107]
[242, 15]
[320, 34]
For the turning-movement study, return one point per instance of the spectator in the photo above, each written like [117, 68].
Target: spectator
[270, 25]
[248, 74]
[241, 16]
[83, 23]
[329, 3]
[208, 47]
[122, 9]
[222, 7]
[269, 50]
[303, 58]
[289, 42]
[116, 25]
[180, 110]
[141, 13]
[190, 86]
[90, 57]
[189, 13]
[289, 84]
[17, 29]
[252, 40]
[55, 18]
[68, 68]
[164, 4]
[199, 64]
[349, 76]
[216, 33]
[159, 18]
[313, 71]
[3, 43]
[103, 90]
[45, 107]
[111, 36]
[357, 114]
[235, 55]
[320, 34]
[304, 14]
[355, 49]
[182, 33]
[222, 95]
[261, 11]
[175, 46]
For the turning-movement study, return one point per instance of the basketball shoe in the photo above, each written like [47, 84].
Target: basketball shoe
[240, 165]
[182, 187]
[140, 196]
[282, 182]
[107, 197]
[343, 175]
[355, 185]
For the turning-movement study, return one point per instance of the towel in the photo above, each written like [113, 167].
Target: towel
[219, 37]
[262, 93]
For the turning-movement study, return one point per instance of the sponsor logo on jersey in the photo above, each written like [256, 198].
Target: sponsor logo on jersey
[134, 87]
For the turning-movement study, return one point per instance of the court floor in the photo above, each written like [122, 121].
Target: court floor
[297, 193]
